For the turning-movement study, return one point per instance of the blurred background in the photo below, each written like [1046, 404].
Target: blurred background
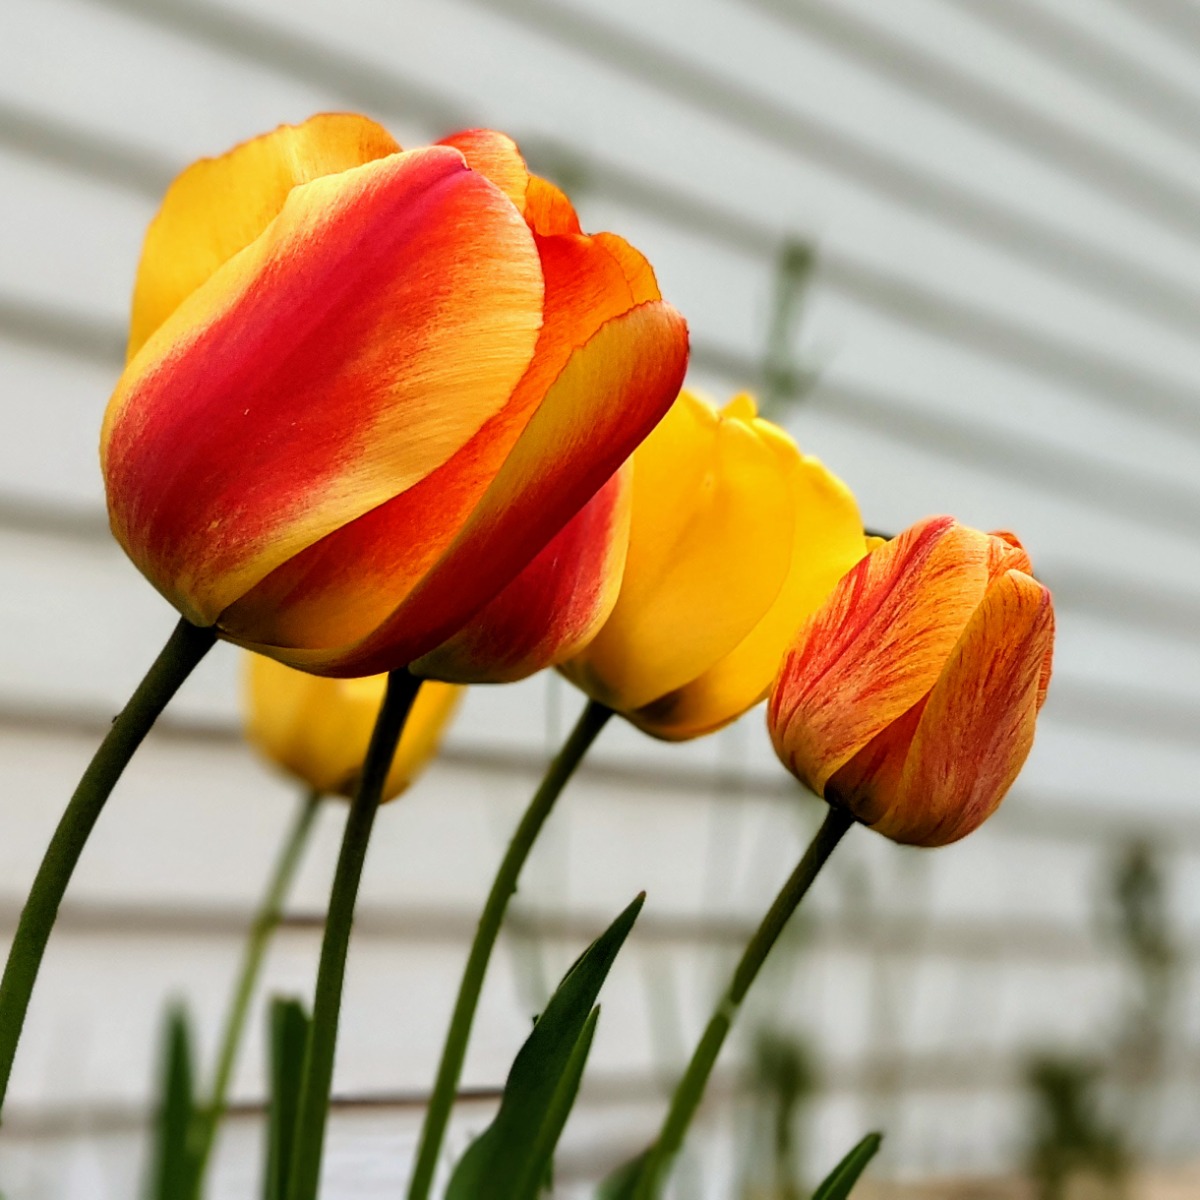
[954, 245]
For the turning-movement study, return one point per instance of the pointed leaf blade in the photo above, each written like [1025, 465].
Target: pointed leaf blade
[839, 1182]
[288, 1028]
[500, 1161]
[172, 1164]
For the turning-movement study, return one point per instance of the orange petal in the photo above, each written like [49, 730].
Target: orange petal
[312, 601]
[612, 392]
[876, 646]
[548, 210]
[553, 607]
[218, 206]
[320, 373]
[495, 156]
[977, 727]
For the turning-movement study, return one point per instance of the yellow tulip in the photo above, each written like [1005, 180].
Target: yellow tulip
[735, 538]
[317, 729]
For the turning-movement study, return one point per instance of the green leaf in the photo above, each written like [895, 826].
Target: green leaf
[512, 1157]
[541, 1155]
[844, 1176]
[622, 1183]
[172, 1163]
[288, 1035]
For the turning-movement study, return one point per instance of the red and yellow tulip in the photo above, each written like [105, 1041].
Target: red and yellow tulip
[367, 387]
[910, 697]
[735, 537]
[317, 730]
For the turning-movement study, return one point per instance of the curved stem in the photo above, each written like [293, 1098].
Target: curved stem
[317, 1078]
[265, 922]
[691, 1087]
[592, 720]
[186, 646]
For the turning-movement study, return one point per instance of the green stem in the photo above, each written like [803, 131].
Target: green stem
[317, 1078]
[592, 720]
[691, 1087]
[186, 646]
[266, 921]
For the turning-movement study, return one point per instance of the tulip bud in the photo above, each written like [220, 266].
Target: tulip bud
[735, 536]
[318, 729]
[910, 697]
[367, 387]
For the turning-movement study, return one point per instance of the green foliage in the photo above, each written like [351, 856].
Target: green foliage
[171, 1175]
[622, 1183]
[783, 1078]
[511, 1159]
[288, 1034]
[1070, 1136]
[838, 1184]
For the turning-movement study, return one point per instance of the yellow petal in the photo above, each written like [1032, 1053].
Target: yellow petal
[710, 545]
[218, 206]
[318, 729]
[827, 541]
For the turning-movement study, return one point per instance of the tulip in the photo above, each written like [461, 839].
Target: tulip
[735, 537]
[318, 729]
[367, 387]
[910, 698]
[554, 607]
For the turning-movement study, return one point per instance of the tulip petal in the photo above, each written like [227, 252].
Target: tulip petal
[495, 156]
[319, 729]
[827, 541]
[978, 724]
[311, 600]
[308, 382]
[612, 392]
[553, 607]
[876, 647]
[218, 206]
[709, 551]
[548, 210]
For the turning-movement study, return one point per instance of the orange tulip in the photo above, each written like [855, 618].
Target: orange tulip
[554, 607]
[367, 387]
[910, 697]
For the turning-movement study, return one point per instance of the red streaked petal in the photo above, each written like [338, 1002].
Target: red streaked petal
[319, 373]
[313, 601]
[977, 727]
[553, 607]
[876, 647]
[612, 392]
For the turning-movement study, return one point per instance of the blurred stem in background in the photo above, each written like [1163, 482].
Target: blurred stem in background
[656, 1166]
[265, 923]
[783, 379]
[783, 1080]
[187, 645]
[317, 1077]
[591, 721]
[1072, 1142]
[1143, 934]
